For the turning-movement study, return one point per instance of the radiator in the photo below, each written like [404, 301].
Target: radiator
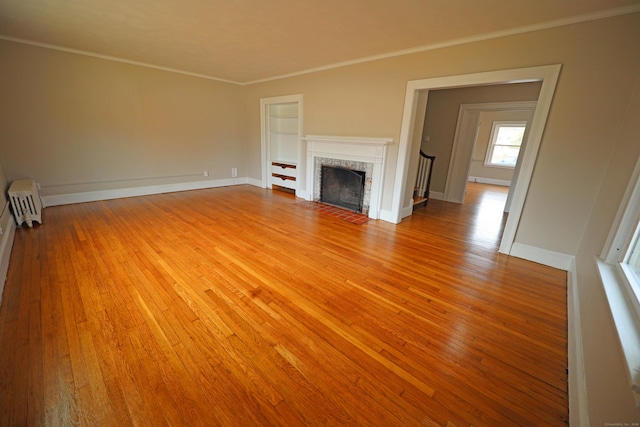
[25, 202]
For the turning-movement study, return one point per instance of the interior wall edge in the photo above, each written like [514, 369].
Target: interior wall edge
[6, 245]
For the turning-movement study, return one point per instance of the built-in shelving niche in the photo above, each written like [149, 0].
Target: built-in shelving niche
[282, 142]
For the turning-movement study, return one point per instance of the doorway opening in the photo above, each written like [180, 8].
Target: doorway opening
[471, 145]
[416, 96]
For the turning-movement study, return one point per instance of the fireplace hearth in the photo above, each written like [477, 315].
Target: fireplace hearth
[342, 187]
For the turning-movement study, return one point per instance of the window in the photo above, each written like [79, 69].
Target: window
[623, 246]
[504, 144]
[620, 273]
[629, 268]
[633, 255]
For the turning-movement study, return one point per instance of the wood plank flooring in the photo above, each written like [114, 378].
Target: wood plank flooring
[241, 306]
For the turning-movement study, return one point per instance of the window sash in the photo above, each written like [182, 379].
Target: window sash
[632, 257]
[625, 249]
[625, 230]
[502, 147]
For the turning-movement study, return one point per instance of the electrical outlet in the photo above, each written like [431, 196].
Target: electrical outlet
[234, 172]
[38, 186]
[206, 173]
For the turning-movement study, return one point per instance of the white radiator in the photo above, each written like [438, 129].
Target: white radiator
[25, 202]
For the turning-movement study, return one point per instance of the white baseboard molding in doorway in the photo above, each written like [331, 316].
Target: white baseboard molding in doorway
[542, 256]
[481, 180]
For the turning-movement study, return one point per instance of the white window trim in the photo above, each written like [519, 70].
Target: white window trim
[494, 136]
[621, 284]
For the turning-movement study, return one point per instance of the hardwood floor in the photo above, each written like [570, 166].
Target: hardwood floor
[241, 306]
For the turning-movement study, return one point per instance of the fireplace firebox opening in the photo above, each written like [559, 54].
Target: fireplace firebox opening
[342, 187]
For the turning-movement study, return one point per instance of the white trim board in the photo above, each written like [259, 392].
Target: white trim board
[386, 215]
[93, 196]
[254, 182]
[436, 195]
[407, 211]
[543, 256]
[5, 216]
[578, 401]
[481, 180]
[6, 245]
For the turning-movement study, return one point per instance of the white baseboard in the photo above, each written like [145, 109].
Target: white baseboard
[436, 195]
[6, 244]
[255, 182]
[406, 211]
[481, 180]
[542, 256]
[578, 403]
[5, 217]
[386, 215]
[93, 196]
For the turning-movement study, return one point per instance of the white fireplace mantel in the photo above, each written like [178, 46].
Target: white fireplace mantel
[360, 149]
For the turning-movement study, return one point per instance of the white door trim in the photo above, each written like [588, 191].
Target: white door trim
[547, 74]
[461, 153]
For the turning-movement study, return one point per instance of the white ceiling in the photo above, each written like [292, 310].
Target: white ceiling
[251, 40]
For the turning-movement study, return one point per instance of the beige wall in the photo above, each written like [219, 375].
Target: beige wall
[76, 123]
[441, 119]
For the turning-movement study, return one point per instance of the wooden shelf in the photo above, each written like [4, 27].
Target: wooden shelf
[284, 165]
[285, 177]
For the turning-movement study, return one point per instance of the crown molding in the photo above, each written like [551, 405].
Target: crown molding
[114, 58]
[481, 37]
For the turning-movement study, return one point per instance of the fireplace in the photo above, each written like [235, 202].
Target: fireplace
[351, 153]
[342, 187]
[361, 169]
